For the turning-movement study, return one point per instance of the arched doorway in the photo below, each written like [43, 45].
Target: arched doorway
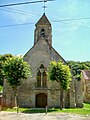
[41, 100]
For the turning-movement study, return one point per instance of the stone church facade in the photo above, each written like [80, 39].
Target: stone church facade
[38, 91]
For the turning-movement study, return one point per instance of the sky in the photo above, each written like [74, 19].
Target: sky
[70, 33]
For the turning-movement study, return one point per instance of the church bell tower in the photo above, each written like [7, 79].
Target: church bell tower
[43, 30]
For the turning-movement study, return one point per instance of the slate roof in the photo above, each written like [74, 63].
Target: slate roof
[86, 74]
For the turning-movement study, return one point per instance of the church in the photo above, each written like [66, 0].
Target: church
[37, 91]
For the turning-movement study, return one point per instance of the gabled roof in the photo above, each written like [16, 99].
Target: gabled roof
[59, 55]
[86, 74]
[51, 48]
[43, 21]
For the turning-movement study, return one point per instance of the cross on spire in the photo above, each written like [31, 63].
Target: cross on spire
[44, 5]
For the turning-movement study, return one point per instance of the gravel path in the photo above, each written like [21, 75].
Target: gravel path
[41, 116]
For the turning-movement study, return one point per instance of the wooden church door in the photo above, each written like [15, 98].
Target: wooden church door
[41, 100]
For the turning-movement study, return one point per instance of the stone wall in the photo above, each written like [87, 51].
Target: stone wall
[41, 53]
[86, 90]
[72, 93]
[78, 93]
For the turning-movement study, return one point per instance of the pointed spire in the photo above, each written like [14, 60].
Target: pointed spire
[43, 20]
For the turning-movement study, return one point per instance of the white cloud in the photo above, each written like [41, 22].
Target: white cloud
[17, 18]
[19, 14]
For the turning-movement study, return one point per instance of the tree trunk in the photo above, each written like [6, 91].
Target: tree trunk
[61, 97]
[15, 96]
[16, 100]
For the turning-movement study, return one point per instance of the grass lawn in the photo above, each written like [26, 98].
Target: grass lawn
[85, 110]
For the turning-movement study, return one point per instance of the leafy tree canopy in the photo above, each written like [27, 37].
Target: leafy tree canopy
[76, 67]
[60, 72]
[15, 70]
[3, 58]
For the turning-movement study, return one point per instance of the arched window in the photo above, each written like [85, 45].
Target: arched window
[42, 33]
[41, 77]
[44, 79]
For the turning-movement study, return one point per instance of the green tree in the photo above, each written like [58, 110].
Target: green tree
[77, 67]
[16, 70]
[3, 58]
[61, 73]
[1, 73]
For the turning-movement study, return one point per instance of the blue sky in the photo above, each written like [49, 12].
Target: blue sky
[70, 38]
